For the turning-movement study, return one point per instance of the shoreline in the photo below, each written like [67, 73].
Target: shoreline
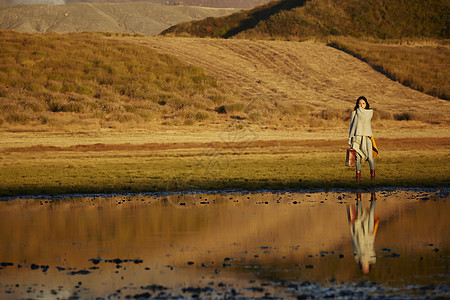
[441, 190]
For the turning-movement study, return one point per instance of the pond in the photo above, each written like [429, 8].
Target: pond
[227, 245]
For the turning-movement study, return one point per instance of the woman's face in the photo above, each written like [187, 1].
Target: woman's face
[362, 103]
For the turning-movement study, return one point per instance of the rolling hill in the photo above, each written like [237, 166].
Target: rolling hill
[135, 18]
[271, 82]
[92, 79]
[202, 3]
[390, 22]
[285, 79]
[294, 19]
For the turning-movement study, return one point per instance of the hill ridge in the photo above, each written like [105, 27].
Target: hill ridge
[202, 3]
[134, 18]
[321, 18]
[263, 13]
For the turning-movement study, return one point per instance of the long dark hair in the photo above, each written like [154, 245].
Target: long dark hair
[362, 98]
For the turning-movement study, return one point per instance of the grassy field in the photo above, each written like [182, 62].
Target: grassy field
[421, 68]
[245, 164]
[107, 113]
[181, 174]
[290, 84]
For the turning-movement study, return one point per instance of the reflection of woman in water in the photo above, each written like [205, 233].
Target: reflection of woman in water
[363, 228]
[360, 137]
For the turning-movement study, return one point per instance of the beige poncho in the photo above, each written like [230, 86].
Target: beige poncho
[360, 133]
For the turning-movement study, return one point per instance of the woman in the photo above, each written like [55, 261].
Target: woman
[360, 137]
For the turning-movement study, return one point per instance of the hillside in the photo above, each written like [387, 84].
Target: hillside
[294, 19]
[373, 23]
[292, 81]
[89, 79]
[202, 3]
[423, 65]
[134, 18]
[96, 80]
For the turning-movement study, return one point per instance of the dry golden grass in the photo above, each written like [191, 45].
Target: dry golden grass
[92, 81]
[239, 160]
[299, 20]
[111, 161]
[423, 66]
[292, 84]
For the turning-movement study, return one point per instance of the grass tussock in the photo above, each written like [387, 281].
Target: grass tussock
[422, 66]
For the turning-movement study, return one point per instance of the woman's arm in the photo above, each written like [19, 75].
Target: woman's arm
[352, 130]
[365, 113]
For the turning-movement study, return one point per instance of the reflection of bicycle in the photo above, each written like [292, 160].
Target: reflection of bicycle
[363, 228]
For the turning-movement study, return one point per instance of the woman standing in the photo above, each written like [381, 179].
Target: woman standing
[360, 137]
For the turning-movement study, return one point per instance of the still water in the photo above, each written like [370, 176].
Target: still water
[234, 245]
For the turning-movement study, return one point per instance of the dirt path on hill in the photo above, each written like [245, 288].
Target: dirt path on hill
[307, 73]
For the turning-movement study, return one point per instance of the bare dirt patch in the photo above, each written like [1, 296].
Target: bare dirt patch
[258, 146]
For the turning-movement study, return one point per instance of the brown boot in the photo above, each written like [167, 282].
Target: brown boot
[358, 175]
[372, 175]
[373, 197]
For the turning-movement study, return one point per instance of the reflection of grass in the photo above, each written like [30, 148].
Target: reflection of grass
[255, 171]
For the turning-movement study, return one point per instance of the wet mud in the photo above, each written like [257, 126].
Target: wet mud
[265, 245]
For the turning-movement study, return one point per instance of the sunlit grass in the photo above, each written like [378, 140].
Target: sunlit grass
[128, 173]
[422, 66]
[88, 78]
[95, 80]
[89, 81]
